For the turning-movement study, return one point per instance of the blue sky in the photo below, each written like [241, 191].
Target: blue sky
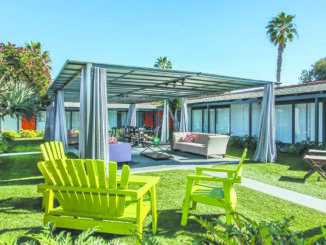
[222, 37]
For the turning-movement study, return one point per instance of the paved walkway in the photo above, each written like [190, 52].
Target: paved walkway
[19, 153]
[292, 196]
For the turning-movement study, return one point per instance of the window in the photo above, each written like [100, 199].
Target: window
[212, 121]
[304, 122]
[205, 121]
[240, 119]
[255, 118]
[283, 123]
[75, 120]
[223, 120]
[112, 119]
[40, 120]
[140, 118]
[68, 119]
[197, 122]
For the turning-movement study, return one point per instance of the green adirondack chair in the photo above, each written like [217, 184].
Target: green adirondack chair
[224, 196]
[52, 150]
[88, 199]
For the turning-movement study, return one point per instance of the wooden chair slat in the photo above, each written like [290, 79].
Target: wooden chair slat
[112, 185]
[123, 185]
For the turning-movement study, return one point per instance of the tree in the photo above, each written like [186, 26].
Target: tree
[24, 80]
[281, 29]
[316, 73]
[175, 104]
[163, 63]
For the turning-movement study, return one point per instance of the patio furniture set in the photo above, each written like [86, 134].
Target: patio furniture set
[89, 194]
[317, 162]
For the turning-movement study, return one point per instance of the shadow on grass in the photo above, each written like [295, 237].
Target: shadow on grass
[12, 205]
[312, 232]
[292, 179]
[29, 230]
[169, 222]
[22, 182]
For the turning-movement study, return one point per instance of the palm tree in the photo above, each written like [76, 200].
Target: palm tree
[163, 63]
[280, 30]
[175, 104]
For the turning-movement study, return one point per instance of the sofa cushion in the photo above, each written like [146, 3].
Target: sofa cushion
[191, 144]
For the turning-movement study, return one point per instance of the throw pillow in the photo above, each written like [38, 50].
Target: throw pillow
[189, 138]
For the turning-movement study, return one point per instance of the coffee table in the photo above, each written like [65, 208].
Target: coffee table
[156, 151]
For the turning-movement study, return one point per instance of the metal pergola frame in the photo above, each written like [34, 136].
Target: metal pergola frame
[131, 84]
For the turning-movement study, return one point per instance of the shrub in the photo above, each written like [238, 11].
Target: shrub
[4, 145]
[27, 133]
[10, 135]
[39, 133]
[246, 231]
[242, 142]
[300, 148]
[49, 237]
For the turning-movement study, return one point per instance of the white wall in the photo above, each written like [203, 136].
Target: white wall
[9, 123]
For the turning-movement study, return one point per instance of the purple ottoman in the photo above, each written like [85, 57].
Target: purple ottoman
[120, 152]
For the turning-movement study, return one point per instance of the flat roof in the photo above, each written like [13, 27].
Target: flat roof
[312, 87]
[132, 84]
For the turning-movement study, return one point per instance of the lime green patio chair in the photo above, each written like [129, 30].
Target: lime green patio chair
[88, 199]
[224, 196]
[52, 150]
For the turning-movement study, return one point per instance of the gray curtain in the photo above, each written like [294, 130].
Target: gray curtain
[266, 147]
[49, 124]
[60, 129]
[184, 116]
[93, 127]
[132, 116]
[165, 123]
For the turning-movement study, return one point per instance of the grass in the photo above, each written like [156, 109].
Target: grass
[21, 212]
[26, 145]
[287, 172]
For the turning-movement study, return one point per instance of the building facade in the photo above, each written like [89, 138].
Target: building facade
[299, 113]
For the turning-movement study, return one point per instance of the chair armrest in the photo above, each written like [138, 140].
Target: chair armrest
[211, 178]
[317, 152]
[224, 170]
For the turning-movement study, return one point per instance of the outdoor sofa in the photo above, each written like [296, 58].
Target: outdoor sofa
[203, 144]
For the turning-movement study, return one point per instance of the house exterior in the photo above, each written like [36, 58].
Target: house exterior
[149, 114]
[299, 113]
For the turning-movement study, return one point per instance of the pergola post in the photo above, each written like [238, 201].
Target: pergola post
[93, 127]
[165, 123]
[266, 146]
[184, 116]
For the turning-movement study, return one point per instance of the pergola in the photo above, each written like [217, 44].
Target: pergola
[96, 84]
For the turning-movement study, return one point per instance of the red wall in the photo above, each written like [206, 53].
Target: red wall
[30, 125]
[148, 118]
[161, 117]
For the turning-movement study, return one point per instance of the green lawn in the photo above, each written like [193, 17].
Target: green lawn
[26, 145]
[21, 212]
[287, 172]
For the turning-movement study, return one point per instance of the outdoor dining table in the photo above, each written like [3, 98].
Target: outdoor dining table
[317, 161]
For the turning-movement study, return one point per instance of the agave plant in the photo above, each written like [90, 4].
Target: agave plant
[19, 100]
